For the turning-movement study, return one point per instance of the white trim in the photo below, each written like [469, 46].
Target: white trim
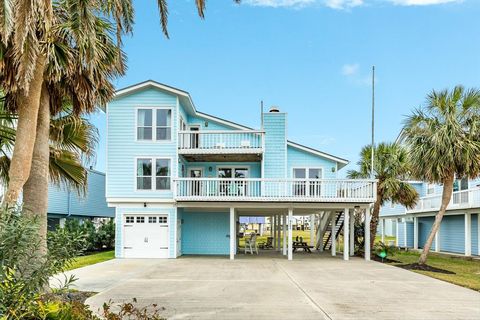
[154, 124]
[154, 175]
[316, 152]
[106, 153]
[346, 234]
[468, 234]
[415, 233]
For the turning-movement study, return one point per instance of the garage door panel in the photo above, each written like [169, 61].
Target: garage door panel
[146, 236]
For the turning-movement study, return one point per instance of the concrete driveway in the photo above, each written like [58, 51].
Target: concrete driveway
[271, 288]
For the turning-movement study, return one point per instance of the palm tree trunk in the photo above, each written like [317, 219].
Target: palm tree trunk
[35, 190]
[28, 105]
[446, 197]
[374, 220]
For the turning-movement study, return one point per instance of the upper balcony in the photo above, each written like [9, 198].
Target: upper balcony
[275, 190]
[221, 146]
[469, 198]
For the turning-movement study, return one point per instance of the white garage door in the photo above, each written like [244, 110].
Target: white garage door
[146, 236]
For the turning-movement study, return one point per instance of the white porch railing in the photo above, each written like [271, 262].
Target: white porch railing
[295, 190]
[460, 199]
[216, 141]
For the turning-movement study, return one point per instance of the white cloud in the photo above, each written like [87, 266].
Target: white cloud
[421, 2]
[340, 4]
[350, 69]
[343, 4]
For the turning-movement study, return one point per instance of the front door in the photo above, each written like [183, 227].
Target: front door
[195, 137]
[196, 185]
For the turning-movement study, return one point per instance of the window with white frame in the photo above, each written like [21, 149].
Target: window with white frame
[430, 188]
[308, 181]
[159, 119]
[153, 174]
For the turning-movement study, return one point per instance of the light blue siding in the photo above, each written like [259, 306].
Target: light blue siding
[120, 212]
[205, 233]
[122, 147]
[452, 234]
[297, 158]
[275, 152]
[91, 204]
[212, 125]
[475, 234]
[424, 227]
[410, 234]
[401, 234]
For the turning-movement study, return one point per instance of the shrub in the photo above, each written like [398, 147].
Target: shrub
[101, 238]
[383, 251]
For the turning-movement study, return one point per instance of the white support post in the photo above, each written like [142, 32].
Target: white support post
[284, 235]
[290, 240]
[274, 232]
[396, 233]
[468, 234]
[352, 233]
[415, 233]
[346, 234]
[332, 234]
[232, 233]
[383, 230]
[437, 240]
[312, 229]
[405, 233]
[279, 233]
[367, 234]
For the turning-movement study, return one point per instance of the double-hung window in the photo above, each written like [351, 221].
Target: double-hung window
[153, 174]
[154, 124]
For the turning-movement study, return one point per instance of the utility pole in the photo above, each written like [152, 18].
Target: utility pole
[373, 121]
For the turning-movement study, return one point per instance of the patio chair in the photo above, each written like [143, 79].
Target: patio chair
[251, 244]
[266, 245]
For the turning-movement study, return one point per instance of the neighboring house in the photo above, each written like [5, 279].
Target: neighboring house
[180, 179]
[64, 203]
[460, 229]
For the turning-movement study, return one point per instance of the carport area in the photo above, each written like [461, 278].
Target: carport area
[274, 288]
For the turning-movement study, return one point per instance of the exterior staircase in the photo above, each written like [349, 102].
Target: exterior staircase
[327, 237]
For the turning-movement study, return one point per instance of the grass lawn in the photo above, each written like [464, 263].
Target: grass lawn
[87, 260]
[467, 271]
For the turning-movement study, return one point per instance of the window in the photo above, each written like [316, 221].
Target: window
[152, 219]
[162, 219]
[144, 174]
[236, 188]
[145, 177]
[163, 174]
[431, 188]
[140, 219]
[144, 124]
[160, 119]
[129, 219]
[311, 181]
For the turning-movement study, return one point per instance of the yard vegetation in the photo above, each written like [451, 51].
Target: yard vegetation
[83, 261]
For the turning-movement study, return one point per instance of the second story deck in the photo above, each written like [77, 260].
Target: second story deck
[221, 145]
[464, 199]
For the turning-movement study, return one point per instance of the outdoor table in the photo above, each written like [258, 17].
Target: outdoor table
[301, 245]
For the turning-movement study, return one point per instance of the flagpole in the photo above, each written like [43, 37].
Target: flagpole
[373, 121]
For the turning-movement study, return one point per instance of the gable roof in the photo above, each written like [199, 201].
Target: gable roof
[185, 97]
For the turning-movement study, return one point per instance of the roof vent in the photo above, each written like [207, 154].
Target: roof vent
[274, 109]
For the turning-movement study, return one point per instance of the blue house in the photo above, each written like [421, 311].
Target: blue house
[180, 179]
[460, 229]
[64, 203]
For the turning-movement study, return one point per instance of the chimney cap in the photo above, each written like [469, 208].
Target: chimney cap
[274, 109]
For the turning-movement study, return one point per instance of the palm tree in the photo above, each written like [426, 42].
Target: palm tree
[443, 140]
[391, 167]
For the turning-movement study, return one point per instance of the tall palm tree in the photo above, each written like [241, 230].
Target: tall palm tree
[443, 140]
[390, 167]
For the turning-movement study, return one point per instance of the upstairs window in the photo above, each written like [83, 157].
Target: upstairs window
[153, 174]
[430, 188]
[154, 124]
[163, 174]
[144, 174]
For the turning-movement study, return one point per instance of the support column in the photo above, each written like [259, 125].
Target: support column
[321, 229]
[383, 230]
[437, 240]
[415, 233]
[468, 234]
[312, 229]
[332, 234]
[284, 240]
[274, 232]
[396, 233]
[232, 233]
[346, 234]
[367, 234]
[290, 240]
[279, 233]
[352, 232]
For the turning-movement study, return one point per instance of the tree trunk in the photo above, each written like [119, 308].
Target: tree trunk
[35, 190]
[374, 219]
[446, 196]
[28, 105]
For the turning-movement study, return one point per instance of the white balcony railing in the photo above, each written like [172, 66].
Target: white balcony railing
[216, 141]
[295, 190]
[460, 199]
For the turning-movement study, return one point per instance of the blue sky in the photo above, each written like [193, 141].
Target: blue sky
[312, 58]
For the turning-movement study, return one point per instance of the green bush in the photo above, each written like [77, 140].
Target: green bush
[101, 238]
[383, 251]
[24, 271]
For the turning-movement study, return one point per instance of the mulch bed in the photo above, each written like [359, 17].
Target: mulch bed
[424, 267]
